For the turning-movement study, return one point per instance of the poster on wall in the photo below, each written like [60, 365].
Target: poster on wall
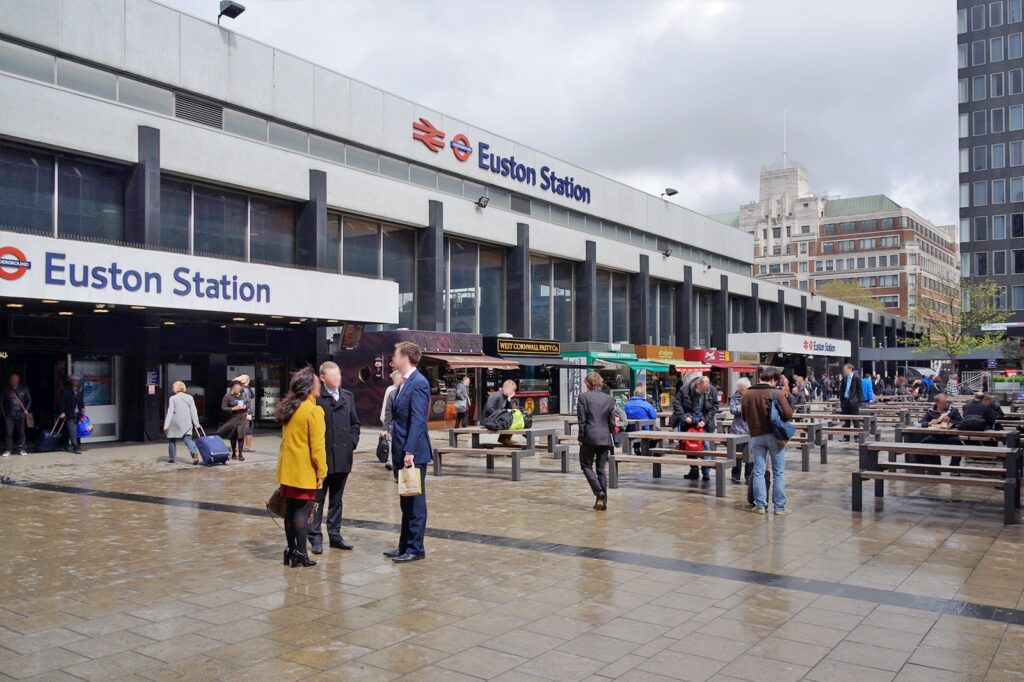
[571, 385]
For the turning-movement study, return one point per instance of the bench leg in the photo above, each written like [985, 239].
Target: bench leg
[858, 491]
[565, 460]
[879, 488]
[613, 473]
[437, 464]
[719, 479]
[805, 456]
[824, 452]
[657, 470]
[453, 440]
[516, 474]
[490, 462]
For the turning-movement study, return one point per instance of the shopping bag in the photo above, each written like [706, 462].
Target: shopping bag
[409, 483]
[84, 426]
[518, 423]
[383, 449]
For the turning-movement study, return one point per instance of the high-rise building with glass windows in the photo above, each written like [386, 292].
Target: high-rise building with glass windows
[990, 61]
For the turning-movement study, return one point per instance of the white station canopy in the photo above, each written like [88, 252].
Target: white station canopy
[797, 344]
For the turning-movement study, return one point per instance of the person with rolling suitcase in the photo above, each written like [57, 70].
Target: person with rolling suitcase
[71, 406]
[212, 449]
[179, 423]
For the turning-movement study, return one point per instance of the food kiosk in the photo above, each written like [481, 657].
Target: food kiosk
[540, 365]
[661, 380]
[608, 359]
[723, 368]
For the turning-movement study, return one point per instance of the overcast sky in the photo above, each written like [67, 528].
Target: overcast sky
[682, 93]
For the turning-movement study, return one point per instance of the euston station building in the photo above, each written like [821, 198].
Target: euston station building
[178, 201]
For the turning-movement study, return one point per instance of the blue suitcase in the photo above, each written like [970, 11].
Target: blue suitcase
[212, 449]
[49, 442]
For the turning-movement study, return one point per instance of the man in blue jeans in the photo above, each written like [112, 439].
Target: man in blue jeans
[756, 410]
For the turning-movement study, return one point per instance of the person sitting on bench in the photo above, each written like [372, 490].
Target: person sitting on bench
[940, 416]
[980, 414]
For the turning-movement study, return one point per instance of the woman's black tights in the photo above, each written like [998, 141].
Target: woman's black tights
[296, 524]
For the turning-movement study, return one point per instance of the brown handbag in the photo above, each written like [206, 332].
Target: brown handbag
[276, 505]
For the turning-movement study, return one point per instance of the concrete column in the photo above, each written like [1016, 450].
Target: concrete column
[517, 284]
[820, 329]
[752, 318]
[801, 317]
[778, 321]
[430, 275]
[720, 315]
[142, 195]
[311, 227]
[837, 325]
[142, 412]
[639, 299]
[853, 336]
[585, 297]
[684, 309]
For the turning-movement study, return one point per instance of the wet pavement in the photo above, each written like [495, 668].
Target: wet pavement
[117, 565]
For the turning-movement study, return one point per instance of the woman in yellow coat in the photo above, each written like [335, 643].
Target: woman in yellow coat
[301, 461]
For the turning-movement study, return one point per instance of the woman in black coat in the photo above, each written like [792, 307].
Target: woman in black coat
[235, 406]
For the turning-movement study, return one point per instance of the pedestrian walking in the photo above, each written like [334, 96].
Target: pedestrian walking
[71, 408]
[462, 402]
[595, 412]
[179, 423]
[756, 411]
[250, 412]
[16, 408]
[301, 460]
[341, 440]
[235, 407]
[387, 409]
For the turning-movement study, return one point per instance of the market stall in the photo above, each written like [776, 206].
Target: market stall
[608, 359]
[539, 366]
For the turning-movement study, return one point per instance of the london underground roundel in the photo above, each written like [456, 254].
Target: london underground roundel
[461, 147]
[13, 263]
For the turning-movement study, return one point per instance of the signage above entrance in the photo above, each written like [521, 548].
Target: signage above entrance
[706, 355]
[37, 267]
[797, 344]
[546, 178]
[659, 352]
[525, 347]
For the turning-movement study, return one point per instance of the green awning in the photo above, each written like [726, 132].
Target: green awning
[637, 365]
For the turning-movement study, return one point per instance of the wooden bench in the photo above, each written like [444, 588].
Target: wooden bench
[488, 453]
[671, 459]
[859, 434]
[561, 450]
[1005, 478]
[717, 460]
[808, 434]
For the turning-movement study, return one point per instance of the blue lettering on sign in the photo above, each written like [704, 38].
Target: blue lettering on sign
[550, 181]
[59, 272]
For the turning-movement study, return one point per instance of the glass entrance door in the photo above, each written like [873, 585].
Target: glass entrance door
[100, 377]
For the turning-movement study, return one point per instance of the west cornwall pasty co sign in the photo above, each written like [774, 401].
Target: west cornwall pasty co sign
[36, 267]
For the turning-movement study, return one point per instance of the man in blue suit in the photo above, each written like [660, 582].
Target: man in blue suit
[410, 447]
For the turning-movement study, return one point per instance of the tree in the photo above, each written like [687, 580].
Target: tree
[953, 319]
[849, 291]
[1013, 351]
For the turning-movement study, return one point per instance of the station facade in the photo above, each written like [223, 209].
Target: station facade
[178, 201]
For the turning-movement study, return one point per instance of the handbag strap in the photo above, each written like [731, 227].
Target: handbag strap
[15, 394]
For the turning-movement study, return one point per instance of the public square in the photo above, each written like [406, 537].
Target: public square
[120, 566]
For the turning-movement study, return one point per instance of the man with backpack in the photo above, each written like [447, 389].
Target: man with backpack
[499, 403]
[756, 407]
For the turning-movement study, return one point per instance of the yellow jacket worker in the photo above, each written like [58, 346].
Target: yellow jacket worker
[301, 460]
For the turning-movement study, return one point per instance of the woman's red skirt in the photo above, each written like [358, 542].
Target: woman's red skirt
[297, 493]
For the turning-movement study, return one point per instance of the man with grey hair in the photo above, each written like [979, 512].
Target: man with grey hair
[739, 426]
[695, 407]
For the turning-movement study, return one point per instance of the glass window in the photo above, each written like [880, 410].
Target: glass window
[499, 197]
[26, 190]
[603, 301]
[1013, 11]
[998, 155]
[980, 158]
[245, 125]
[963, 96]
[1016, 81]
[998, 227]
[175, 212]
[289, 138]
[980, 193]
[999, 191]
[393, 168]
[559, 215]
[400, 266]
[965, 195]
[964, 128]
[961, 20]
[965, 229]
[145, 96]
[219, 223]
[965, 265]
[998, 262]
[86, 79]
[981, 264]
[1014, 46]
[998, 120]
[847, 228]
[561, 290]
[540, 297]
[271, 232]
[978, 88]
[980, 228]
[666, 313]
[1017, 294]
[450, 184]
[962, 61]
[326, 149]
[978, 49]
[620, 307]
[1017, 117]
[1018, 261]
[1017, 153]
[25, 62]
[358, 157]
[978, 18]
[995, 86]
[995, 49]
[423, 177]
[1016, 189]
[331, 256]
[473, 191]
[980, 122]
[995, 14]
[462, 271]
[90, 200]
[361, 248]
[492, 290]
[1017, 226]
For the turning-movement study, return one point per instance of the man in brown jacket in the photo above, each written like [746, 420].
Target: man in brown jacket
[756, 410]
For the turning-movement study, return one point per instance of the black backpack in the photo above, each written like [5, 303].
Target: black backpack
[499, 421]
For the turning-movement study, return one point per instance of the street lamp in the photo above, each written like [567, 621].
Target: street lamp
[669, 191]
[230, 9]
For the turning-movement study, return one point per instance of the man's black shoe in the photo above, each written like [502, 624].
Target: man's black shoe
[705, 474]
[339, 543]
[392, 553]
[693, 475]
[317, 548]
[406, 558]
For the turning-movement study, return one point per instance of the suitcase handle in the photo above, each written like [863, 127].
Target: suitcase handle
[199, 429]
[57, 425]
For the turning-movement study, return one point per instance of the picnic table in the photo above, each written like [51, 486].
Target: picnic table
[660, 456]
[1005, 477]
[537, 438]
[1008, 437]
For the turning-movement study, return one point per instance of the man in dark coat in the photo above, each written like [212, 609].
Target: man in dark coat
[342, 436]
[940, 416]
[70, 408]
[15, 405]
[497, 402]
[695, 407]
[851, 393]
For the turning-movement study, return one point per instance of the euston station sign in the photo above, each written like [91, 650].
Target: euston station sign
[546, 178]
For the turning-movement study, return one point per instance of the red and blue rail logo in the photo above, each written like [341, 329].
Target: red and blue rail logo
[461, 147]
[424, 131]
[13, 263]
